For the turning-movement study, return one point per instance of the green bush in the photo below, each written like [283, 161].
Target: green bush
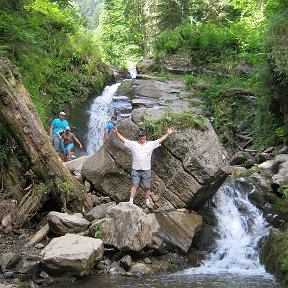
[209, 42]
[157, 128]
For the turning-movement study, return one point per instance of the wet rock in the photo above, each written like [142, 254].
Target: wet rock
[72, 254]
[126, 262]
[140, 269]
[62, 223]
[124, 88]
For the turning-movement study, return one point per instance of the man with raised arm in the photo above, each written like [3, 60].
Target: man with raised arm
[141, 161]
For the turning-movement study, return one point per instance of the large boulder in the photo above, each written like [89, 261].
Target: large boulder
[73, 254]
[126, 227]
[185, 174]
[62, 223]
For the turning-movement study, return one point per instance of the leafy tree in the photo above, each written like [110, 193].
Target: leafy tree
[172, 13]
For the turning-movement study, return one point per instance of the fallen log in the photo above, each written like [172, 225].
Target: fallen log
[21, 119]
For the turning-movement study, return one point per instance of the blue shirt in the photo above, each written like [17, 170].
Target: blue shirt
[110, 125]
[58, 124]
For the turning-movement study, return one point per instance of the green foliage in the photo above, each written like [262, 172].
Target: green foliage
[265, 122]
[275, 39]
[157, 128]
[97, 230]
[284, 191]
[172, 13]
[58, 60]
[227, 102]
[207, 43]
[190, 79]
[122, 31]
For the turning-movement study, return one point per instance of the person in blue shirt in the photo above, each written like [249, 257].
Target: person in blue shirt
[109, 126]
[57, 127]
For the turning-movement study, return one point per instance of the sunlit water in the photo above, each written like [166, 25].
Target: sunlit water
[240, 227]
[234, 262]
[101, 110]
[99, 114]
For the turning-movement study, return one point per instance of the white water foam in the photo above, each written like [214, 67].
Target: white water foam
[240, 227]
[99, 114]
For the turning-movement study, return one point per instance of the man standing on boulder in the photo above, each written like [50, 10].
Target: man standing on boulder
[141, 161]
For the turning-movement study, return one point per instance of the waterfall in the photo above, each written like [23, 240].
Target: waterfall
[102, 108]
[99, 114]
[240, 226]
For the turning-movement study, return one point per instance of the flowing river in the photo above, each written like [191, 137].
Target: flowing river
[234, 263]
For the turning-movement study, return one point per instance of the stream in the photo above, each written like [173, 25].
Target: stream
[234, 263]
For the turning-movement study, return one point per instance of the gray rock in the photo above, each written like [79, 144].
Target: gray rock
[240, 158]
[87, 185]
[126, 227]
[146, 65]
[26, 269]
[140, 269]
[62, 223]
[100, 211]
[72, 254]
[177, 228]
[147, 260]
[39, 246]
[8, 261]
[194, 168]
[75, 166]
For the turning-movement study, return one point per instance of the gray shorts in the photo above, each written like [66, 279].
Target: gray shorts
[142, 178]
[58, 144]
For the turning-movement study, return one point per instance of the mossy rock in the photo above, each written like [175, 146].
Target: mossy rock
[274, 254]
[280, 205]
[125, 88]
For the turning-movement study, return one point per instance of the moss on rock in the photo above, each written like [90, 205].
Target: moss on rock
[274, 254]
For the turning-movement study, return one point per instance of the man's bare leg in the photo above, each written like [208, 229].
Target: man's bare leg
[147, 194]
[133, 192]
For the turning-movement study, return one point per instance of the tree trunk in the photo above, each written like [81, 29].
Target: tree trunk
[21, 119]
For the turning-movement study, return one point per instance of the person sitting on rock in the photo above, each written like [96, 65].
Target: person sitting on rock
[68, 138]
[141, 161]
[109, 126]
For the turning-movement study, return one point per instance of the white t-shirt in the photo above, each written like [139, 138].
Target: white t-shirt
[141, 153]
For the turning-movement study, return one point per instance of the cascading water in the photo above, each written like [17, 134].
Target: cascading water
[98, 117]
[102, 108]
[240, 226]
